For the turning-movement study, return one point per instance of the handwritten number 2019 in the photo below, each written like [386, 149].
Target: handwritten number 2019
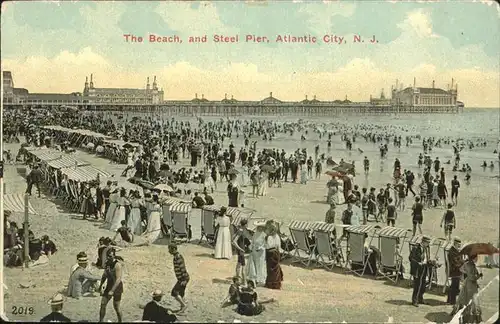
[22, 310]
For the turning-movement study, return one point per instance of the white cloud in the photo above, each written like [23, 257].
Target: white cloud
[357, 79]
[419, 22]
[198, 21]
[319, 15]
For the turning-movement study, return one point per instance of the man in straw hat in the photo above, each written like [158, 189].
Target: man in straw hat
[56, 304]
[154, 312]
[419, 258]
[81, 280]
[455, 260]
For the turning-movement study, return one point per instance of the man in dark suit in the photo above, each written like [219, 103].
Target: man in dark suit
[455, 262]
[34, 178]
[419, 258]
[154, 312]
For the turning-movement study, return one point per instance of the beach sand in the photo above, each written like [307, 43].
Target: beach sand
[307, 295]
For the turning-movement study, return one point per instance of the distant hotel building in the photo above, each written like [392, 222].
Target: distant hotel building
[94, 97]
[150, 99]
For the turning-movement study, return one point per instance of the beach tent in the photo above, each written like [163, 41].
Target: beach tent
[15, 203]
[84, 173]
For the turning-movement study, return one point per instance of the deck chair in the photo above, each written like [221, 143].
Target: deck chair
[357, 255]
[301, 243]
[391, 260]
[326, 247]
[207, 227]
[180, 226]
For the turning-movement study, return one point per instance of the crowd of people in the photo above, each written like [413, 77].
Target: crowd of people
[163, 143]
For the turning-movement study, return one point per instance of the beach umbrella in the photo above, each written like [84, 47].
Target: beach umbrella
[25, 145]
[134, 180]
[479, 249]
[267, 168]
[340, 169]
[164, 187]
[334, 173]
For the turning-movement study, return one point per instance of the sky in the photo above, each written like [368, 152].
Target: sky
[52, 46]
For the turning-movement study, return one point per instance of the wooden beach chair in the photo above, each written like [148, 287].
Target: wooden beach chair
[326, 246]
[208, 223]
[166, 214]
[299, 232]
[391, 242]
[358, 256]
[181, 229]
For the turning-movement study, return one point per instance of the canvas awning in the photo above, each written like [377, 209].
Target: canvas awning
[84, 173]
[15, 203]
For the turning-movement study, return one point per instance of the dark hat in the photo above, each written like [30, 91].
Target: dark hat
[223, 210]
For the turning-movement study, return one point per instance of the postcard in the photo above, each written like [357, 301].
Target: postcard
[250, 161]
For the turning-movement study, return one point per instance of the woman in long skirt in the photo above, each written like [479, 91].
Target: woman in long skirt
[468, 294]
[257, 270]
[113, 199]
[120, 211]
[263, 184]
[134, 221]
[223, 244]
[273, 256]
[153, 231]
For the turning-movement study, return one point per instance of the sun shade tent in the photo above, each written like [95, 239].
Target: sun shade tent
[434, 247]
[166, 214]
[327, 245]
[181, 213]
[357, 256]
[84, 173]
[299, 233]
[15, 203]
[208, 222]
[390, 244]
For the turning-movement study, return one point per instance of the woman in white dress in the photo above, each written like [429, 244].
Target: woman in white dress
[120, 211]
[113, 199]
[153, 232]
[340, 192]
[223, 246]
[264, 183]
[244, 177]
[257, 270]
[134, 220]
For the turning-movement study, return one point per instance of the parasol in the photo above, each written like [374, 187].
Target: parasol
[25, 145]
[340, 169]
[334, 173]
[90, 145]
[479, 249]
[99, 149]
[267, 168]
[127, 145]
[164, 187]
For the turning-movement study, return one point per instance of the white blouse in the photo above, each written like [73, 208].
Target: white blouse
[273, 242]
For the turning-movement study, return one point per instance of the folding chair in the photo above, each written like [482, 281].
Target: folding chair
[391, 242]
[356, 255]
[180, 221]
[208, 223]
[301, 243]
[325, 246]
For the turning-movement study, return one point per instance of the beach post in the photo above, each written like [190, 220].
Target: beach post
[26, 231]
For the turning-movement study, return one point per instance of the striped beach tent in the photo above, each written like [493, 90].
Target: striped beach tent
[15, 203]
[393, 232]
[66, 161]
[306, 225]
[326, 227]
[180, 207]
[84, 173]
[211, 208]
[362, 229]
